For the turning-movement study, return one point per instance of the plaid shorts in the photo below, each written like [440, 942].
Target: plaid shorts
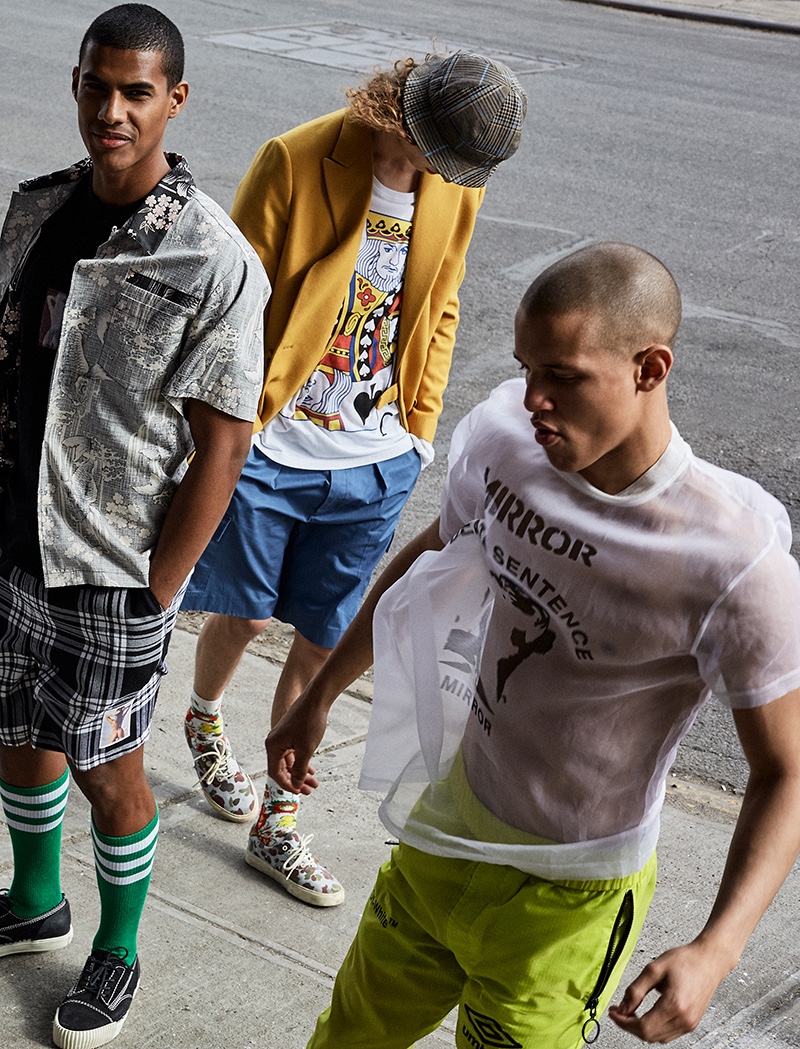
[80, 666]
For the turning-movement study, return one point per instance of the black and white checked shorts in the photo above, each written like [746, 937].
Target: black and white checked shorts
[80, 666]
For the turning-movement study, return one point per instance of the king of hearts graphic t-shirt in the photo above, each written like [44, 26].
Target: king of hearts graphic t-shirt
[335, 419]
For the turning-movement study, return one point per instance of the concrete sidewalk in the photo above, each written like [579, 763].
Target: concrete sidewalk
[229, 961]
[766, 15]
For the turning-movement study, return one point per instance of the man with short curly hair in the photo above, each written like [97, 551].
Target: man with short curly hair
[362, 219]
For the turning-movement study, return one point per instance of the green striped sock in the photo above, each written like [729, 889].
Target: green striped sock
[34, 816]
[123, 867]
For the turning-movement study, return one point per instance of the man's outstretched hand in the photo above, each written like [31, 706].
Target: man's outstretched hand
[291, 745]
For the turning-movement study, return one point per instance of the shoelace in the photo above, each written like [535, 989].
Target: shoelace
[222, 760]
[298, 855]
[102, 970]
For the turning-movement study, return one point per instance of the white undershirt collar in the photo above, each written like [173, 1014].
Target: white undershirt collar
[660, 475]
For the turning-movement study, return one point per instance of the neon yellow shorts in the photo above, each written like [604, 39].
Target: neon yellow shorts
[528, 962]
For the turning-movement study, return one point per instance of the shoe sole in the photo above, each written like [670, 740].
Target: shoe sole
[66, 1039]
[54, 943]
[316, 899]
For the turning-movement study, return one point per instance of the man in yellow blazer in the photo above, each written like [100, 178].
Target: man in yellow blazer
[362, 219]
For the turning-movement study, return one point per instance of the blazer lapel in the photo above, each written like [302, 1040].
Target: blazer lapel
[348, 179]
[348, 187]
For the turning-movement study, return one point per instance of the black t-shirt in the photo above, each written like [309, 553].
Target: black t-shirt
[74, 232]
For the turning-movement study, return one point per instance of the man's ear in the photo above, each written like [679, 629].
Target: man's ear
[178, 96]
[654, 365]
[76, 75]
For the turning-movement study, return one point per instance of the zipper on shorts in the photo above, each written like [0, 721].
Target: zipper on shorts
[623, 923]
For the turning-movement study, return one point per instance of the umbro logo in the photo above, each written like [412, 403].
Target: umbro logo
[489, 1032]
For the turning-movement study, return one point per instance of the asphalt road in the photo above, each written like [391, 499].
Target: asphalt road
[676, 136]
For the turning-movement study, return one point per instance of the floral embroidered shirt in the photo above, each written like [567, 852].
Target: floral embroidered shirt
[170, 309]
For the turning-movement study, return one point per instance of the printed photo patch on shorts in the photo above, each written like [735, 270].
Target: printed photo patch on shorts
[116, 726]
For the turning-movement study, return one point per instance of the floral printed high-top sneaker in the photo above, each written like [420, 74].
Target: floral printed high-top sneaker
[276, 849]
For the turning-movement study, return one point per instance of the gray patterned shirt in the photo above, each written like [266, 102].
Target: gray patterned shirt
[170, 309]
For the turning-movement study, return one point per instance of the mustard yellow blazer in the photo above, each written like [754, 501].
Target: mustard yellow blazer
[303, 206]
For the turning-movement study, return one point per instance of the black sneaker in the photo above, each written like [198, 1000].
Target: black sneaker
[95, 1009]
[44, 932]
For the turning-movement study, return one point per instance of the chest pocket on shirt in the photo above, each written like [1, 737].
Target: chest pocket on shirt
[148, 323]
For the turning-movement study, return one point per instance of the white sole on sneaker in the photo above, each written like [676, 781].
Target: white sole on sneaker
[67, 1039]
[316, 899]
[54, 943]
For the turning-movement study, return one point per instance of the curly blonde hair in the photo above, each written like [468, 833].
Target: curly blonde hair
[377, 104]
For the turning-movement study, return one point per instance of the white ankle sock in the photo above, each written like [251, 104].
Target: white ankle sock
[206, 706]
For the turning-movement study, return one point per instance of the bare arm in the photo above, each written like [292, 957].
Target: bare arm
[291, 744]
[764, 847]
[221, 447]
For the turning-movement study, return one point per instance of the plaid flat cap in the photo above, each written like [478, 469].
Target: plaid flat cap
[465, 113]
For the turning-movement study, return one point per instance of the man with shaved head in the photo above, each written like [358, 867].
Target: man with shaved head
[627, 290]
[547, 643]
